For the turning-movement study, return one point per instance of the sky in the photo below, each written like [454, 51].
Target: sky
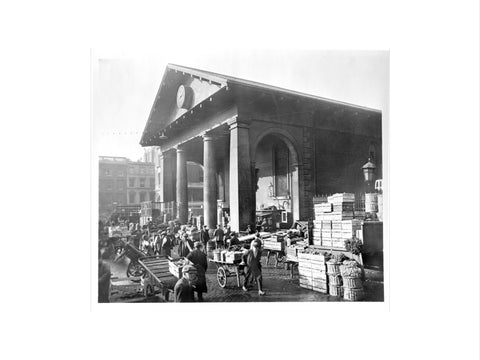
[124, 85]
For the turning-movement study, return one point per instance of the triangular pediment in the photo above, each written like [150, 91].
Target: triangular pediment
[181, 90]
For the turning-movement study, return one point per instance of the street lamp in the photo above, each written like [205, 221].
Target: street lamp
[369, 174]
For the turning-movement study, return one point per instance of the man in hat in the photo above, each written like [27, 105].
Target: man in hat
[183, 290]
[233, 239]
[254, 266]
[199, 260]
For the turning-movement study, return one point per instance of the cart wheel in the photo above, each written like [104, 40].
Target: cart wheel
[221, 277]
[135, 269]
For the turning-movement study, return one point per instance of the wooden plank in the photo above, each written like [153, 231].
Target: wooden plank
[157, 266]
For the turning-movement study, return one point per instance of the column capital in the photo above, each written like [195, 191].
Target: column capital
[167, 153]
[207, 137]
[179, 148]
[238, 122]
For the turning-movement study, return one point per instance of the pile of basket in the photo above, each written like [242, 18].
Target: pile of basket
[352, 274]
[334, 277]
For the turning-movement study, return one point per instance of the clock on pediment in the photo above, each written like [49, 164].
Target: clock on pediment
[184, 97]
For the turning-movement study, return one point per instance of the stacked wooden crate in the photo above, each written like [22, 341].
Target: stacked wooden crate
[292, 251]
[274, 242]
[312, 270]
[334, 221]
[175, 266]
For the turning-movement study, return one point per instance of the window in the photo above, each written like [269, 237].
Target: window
[142, 182]
[142, 196]
[131, 170]
[120, 173]
[131, 197]
[108, 172]
[150, 171]
[159, 179]
[131, 182]
[142, 170]
[120, 185]
[109, 184]
[280, 162]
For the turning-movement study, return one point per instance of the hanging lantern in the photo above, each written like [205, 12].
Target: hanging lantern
[369, 170]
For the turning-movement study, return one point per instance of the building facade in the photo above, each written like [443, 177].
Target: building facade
[123, 182]
[140, 182]
[259, 146]
[112, 173]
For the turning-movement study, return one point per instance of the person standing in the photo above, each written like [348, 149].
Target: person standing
[199, 260]
[218, 235]
[104, 277]
[185, 245]
[204, 237]
[183, 290]
[167, 243]
[254, 266]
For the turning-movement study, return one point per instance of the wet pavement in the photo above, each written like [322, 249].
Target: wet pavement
[277, 283]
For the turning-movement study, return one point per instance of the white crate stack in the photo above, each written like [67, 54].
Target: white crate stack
[334, 221]
[312, 272]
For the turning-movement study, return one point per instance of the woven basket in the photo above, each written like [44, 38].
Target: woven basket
[353, 294]
[335, 290]
[335, 279]
[333, 268]
[352, 283]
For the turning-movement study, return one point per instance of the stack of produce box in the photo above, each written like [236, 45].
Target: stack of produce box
[352, 280]
[312, 269]
[334, 277]
[334, 221]
[292, 251]
[274, 242]
[233, 256]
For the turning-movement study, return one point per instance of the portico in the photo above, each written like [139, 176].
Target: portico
[260, 146]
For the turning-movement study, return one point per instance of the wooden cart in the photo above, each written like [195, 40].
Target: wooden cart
[226, 270]
[157, 276]
[134, 268]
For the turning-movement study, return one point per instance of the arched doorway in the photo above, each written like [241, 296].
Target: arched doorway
[276, 180]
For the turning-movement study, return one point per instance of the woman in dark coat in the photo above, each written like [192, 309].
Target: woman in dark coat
[254, 266]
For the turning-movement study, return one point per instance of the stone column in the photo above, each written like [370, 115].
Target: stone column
[182, 186]
[209, 182]
[165, 183]
[242, 196]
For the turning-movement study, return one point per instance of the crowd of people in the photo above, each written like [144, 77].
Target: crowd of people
[192, 243]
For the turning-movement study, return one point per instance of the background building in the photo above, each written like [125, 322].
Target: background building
[112, 184]
[140, 182]
[123, 182]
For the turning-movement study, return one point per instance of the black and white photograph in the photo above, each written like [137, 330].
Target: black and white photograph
[219, 188]
[240, 180]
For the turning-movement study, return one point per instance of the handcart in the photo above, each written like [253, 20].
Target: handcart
[228, 269]
[134, 268]
[157, 276]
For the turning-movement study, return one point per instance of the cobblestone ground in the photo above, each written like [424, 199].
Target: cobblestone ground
[277, 283]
